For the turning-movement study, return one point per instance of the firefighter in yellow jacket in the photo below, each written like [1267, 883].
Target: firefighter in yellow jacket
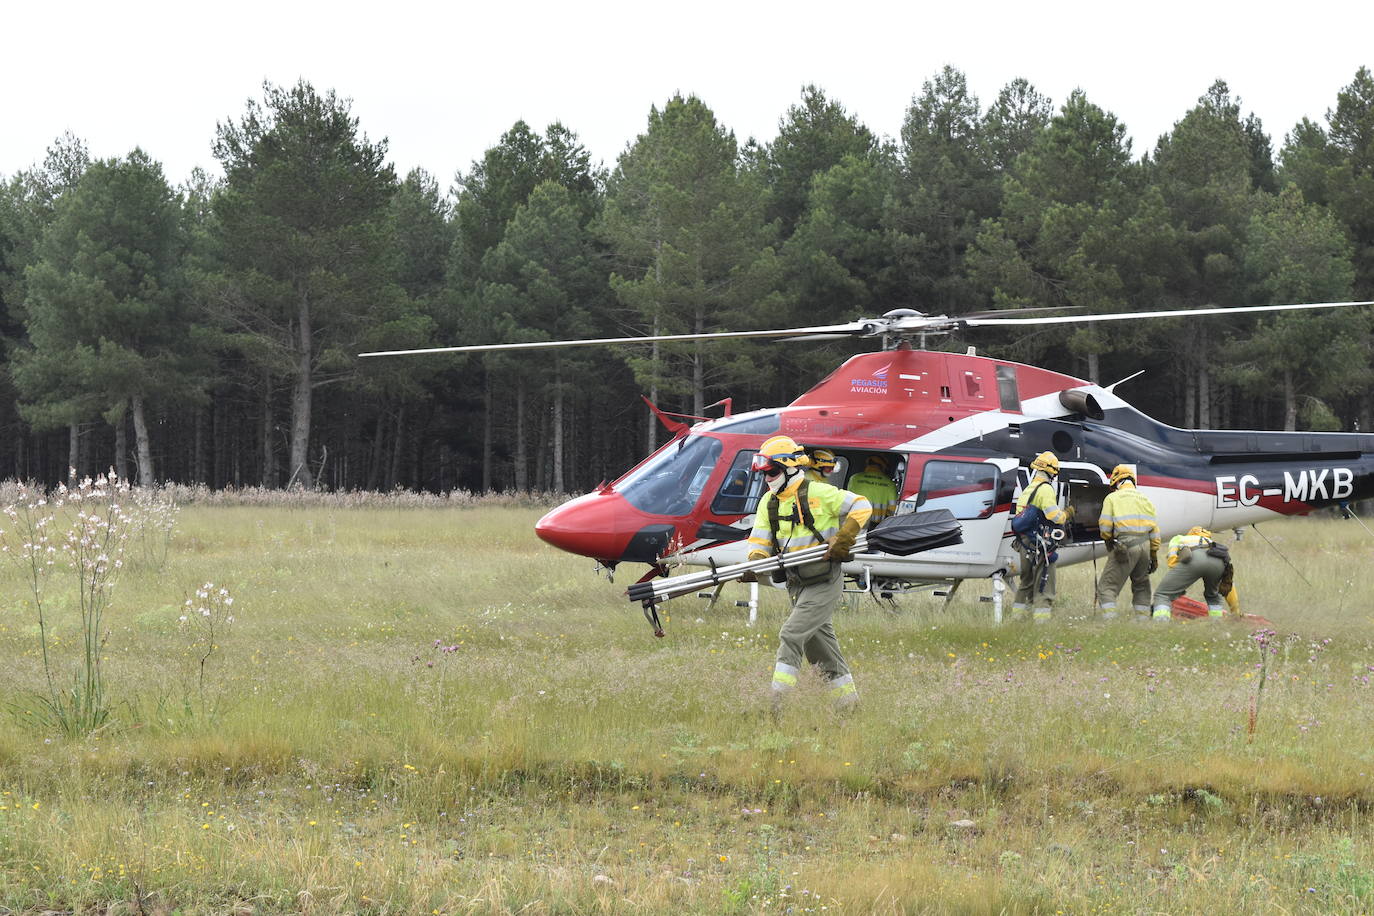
[1036, 565]
[822, 464]
[875, 484]
[795, 514]
[1192, 556]
[1131, 535]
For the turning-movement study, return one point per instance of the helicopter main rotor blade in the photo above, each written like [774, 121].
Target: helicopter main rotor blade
[854, 328]
[1168, 313]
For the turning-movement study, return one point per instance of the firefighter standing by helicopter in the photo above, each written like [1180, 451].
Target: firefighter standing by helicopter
[875, 484]
[1130, 533]
[798, 513]
[1036, 585]
[822, 464]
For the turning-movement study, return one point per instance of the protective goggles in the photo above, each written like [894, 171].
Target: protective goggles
[765, 464]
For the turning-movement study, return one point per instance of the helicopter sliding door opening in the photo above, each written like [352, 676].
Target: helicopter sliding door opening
[1086, 487]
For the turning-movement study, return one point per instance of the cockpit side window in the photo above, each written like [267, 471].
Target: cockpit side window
[671, 482]
[740, 490]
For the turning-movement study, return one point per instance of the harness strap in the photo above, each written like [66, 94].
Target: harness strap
[801, 511]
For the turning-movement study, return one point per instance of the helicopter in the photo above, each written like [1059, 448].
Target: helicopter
[959, 431]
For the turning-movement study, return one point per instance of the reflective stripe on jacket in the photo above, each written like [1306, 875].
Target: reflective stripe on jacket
[830, 507]
[1128, 513]
[1191, 541]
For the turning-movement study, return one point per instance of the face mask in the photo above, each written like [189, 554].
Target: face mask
[778, 482]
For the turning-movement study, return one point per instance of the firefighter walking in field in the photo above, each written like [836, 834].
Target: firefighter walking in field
[1037, 565]
[1192, 556]
[1131, 535]
[795, 514]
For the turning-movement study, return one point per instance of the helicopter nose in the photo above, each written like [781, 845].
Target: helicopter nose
[587, 525]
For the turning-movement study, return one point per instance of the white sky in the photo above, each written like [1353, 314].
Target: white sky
[442, 82]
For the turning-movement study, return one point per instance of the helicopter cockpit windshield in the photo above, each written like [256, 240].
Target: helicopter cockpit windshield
[671, 482]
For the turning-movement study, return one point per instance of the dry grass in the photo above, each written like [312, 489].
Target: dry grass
[549, 756]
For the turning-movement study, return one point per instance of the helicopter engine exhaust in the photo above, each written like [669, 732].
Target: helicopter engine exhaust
[1081, 402]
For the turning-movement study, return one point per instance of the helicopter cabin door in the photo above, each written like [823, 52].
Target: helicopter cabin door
[972, 490]
[1082, 486]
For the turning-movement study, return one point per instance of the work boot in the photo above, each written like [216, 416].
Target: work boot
[1216, 610]
[1108, 611]
[843, 693]
[1162, 612]
[1042, 615]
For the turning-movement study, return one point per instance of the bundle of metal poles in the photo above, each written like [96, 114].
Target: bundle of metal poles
[900, 536]
[656, 591]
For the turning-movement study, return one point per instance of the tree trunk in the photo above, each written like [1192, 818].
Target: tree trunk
[522, 480]
[269, 438]
[374, 473]
[1290, 403]
[142, 446]
[198, 462]
[653, 348]
[393, 477]
[699, 370]
[558, 426]
[74, 451]
[1190, 400]
[487, 432]
[1204, 397]
[122, 447]
[301, 392]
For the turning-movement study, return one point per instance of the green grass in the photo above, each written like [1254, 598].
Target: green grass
[559, 759]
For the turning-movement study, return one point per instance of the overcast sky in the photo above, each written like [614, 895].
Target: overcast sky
[442, 82]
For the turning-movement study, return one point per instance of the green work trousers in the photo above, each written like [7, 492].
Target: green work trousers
[1126, 561]
[808, 632]
[1187, 571]
[1027, 587]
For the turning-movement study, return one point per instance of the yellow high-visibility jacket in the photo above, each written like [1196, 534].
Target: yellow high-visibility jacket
[878, 489]
[1191, 541]
[1127, 512]
[1042, 497]
[830, 508]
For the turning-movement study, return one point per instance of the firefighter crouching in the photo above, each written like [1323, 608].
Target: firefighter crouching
[1192, 556]
[798, 513]
[1131, 535]
[1036, 585]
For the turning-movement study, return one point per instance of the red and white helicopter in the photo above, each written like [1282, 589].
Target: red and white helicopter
[960, 430]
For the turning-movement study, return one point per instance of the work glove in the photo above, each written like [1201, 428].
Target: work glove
[841, 544]
[757, 555]
[748, 576]
[838, 549]
[1068, 514]
[1154, 562]
[1185, 554]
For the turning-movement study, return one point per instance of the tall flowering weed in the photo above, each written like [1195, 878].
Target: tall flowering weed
[80, 534]
[207, 617]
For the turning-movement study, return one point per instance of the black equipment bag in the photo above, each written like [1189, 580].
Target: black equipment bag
[903, 535]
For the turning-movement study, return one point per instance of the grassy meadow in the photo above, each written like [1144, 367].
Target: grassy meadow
[426, 710]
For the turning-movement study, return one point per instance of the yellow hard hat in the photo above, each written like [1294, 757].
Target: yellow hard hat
[1122, 472]
[823, 460]
[780, 451]
[1199, 530]
[878, 462]
[1047, 462]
